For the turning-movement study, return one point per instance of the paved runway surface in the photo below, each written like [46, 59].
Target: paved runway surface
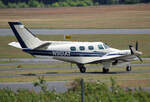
[5, 32]
[58, 86]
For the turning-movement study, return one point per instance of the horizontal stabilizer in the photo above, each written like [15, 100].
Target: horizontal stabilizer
[15, 44]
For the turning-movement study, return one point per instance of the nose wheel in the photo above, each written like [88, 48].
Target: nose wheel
[105, 70]
[83, 70]
[128, 68]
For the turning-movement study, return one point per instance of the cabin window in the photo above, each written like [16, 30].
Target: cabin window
[91, 47]
[106, 46]
[82, 48]
[100, 46]
[72, 48]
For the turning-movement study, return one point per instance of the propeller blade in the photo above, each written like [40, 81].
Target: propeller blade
[136, 46]
[140, 58]
[132, 49]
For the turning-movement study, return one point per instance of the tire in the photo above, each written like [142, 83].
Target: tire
[105, 70]
[128, 68]
[83, 70]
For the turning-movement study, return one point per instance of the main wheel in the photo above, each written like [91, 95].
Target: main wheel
[105, 70]
[83, 70]
[128, 68]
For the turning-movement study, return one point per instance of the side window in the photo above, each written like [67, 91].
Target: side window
[100, 47]
[82, 48]
[106, 46]
[90, 47]
[72, 48]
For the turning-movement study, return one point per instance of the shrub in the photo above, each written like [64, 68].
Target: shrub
[55, 4]
[34, 3]
[41, 83]
[131, 1]
[12, 5]
[2, 5]
[22, 5]
[19, 66]
[73, 4]
[42, 5]
[63, 4]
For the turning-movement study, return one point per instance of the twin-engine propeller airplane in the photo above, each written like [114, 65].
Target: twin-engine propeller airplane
[79, 53]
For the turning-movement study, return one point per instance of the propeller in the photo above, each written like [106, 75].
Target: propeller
[136, 46]
[134, 51]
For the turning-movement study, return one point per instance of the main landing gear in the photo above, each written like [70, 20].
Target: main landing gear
[105, 70]
[82, 68]
[128, 68]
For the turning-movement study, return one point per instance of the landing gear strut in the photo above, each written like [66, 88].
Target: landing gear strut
[106, 66]
[82, 68]
[128, 68]
[105, 70]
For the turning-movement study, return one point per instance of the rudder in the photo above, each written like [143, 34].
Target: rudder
[24, 36]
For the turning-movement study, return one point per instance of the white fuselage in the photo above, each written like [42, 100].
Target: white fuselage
[83, 52]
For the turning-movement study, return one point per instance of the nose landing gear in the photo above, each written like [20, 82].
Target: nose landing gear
[128, 68]
[105, 70]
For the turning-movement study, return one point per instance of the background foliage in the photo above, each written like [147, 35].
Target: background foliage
[94, 92]
[63, 3]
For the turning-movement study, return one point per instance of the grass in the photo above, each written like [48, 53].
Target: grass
[113, 40]
[114, 16]
[9, 61]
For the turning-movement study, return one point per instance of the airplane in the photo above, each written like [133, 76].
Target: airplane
[79, 53]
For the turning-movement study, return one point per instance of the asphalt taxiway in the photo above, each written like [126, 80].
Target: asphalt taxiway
[6, 32]
[58, 86]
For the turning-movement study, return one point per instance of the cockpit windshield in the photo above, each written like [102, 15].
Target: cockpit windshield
[106, 46]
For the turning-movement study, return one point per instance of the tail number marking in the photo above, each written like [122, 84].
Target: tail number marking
[61, 53]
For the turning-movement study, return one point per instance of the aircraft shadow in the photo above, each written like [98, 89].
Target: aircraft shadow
[121, 72]
[28, 74]
[51, 72]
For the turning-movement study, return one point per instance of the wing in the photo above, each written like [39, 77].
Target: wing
[113, 57]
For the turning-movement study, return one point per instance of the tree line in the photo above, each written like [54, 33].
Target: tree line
[63, 3]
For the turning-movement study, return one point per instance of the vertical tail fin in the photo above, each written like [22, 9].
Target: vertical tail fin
[24, 36]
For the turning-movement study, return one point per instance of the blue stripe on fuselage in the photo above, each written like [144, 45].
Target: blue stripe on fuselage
[114, 54]
[64, 53]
